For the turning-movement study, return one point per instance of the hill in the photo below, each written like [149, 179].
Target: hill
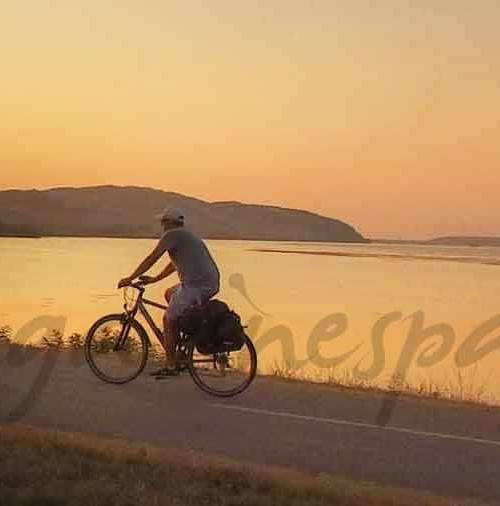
[113, 211]
[466, 241]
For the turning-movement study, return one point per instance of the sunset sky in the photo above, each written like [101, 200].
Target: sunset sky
[384, 114]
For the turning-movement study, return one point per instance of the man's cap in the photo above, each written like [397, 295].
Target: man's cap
[171, 214]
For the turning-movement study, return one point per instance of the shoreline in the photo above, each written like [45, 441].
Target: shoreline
[407, 393]
[249, 239]
[368, 241]
[21, 236]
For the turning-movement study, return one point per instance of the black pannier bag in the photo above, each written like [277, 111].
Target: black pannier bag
[214, 327]
[191, 320]
[230, 332]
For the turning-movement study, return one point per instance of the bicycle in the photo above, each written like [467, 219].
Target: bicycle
[119, 342]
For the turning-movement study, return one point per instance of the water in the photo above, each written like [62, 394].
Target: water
[285, 296]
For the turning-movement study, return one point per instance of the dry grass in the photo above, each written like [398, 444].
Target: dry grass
[463, 385]
[39, 467]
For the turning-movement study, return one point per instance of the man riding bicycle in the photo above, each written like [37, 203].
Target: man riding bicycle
[198, 274]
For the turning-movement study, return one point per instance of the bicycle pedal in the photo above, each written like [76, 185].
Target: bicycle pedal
[157, 378]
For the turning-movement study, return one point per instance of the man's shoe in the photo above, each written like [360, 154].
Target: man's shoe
[165, 372]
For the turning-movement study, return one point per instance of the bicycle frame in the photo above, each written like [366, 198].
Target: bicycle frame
[140, 307]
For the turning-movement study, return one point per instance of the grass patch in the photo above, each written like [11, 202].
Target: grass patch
[39, 467]
[56, 341]
[465, 386]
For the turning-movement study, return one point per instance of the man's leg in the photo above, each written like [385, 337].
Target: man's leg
[179, 298]
[178, 301]
[170, 337]
[169, 292]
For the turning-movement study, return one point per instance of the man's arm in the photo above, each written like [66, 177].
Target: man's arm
[145, 265]
[167, 271]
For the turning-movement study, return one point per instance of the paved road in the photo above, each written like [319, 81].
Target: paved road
[432, 446]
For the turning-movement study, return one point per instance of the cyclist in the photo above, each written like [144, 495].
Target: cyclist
[198, 274]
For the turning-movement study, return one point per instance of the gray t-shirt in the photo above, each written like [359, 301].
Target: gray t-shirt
[191, 257]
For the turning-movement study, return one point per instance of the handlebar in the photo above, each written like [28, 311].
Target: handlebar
[138, 286]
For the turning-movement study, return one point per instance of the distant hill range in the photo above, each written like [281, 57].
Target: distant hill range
[112, 211]
[465, 241]
[476, 241]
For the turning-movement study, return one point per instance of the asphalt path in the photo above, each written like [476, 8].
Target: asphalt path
[434, 446]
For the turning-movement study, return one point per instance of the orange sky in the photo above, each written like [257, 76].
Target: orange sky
[385, 116]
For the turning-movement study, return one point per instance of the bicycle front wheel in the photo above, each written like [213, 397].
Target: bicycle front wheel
[116, 348]
[224, 373]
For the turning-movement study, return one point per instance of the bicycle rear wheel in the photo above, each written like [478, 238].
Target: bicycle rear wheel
[224, 373]
[116, 348]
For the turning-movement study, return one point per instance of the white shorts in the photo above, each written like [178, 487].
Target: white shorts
[187, 296]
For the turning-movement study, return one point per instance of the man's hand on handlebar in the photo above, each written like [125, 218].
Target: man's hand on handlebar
[142, 280]
[147, 280]
[124, 282]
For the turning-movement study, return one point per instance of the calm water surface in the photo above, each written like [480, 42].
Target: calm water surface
[284, 296]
